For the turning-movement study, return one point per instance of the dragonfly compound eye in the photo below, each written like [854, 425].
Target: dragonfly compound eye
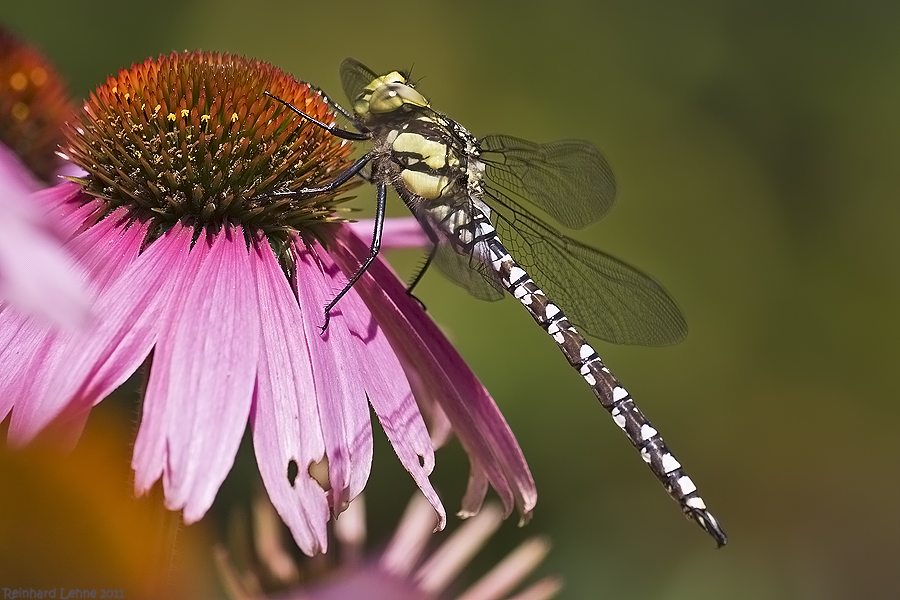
[391, 96]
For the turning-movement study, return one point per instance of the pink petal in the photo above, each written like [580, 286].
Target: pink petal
[109, 247]
[368, 583]
[32, 357]
[476, 490]
[391, 397]
[476, 419]
[209, 358]
[414, 532]
[36, 274]
[38, 277]
[15, 177]
[398, 232]
[150, 457]
[439, 427]
[340, 392]
[20, 338]
[26, 345]
[69, 209]
[127, 313]
[285, 418]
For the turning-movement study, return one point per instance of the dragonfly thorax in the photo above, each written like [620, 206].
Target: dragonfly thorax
[433, 157]
[431, 160]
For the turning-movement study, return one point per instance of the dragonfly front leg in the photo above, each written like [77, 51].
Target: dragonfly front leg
[335, 131]
[380, 204]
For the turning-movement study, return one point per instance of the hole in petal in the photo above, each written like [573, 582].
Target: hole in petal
[292, 471]
[319, 472]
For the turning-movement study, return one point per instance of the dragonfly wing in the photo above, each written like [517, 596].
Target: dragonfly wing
[472, 275]
[606, 297]
[462, 269]
[569, 180]
[355, 76]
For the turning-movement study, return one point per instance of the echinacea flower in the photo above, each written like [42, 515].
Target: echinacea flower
[223, 286]
[410, 567]
[36, 276]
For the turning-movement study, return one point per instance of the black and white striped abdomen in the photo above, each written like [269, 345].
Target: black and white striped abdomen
[466, 227]
[480, 236]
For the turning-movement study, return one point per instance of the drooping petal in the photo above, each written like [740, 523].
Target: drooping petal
[108, 248]
[476, 419]
[19, 341]
[159, 411]
[390, 395]
[100, 358]
[476, 490]
[285, 418]
[210, 355]
[340, 393]
[439, 427]
[38, 277]
[32, 358]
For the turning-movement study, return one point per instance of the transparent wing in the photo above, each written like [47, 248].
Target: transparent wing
[606, 297]
[355, 76]
[461, 269]
[569, 179]
[472, 275]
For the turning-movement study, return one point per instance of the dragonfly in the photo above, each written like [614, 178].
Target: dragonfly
[473, 198]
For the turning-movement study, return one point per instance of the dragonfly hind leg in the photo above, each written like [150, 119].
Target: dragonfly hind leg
[419, 274]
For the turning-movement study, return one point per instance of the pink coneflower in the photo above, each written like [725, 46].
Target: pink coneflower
[410, 567]
[36, 276]
[224, 288]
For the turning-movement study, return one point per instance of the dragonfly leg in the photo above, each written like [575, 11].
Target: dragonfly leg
[380, 203]
[337, 107]
[331, 186]
[428, 260]
[419, 274]
[335, 131]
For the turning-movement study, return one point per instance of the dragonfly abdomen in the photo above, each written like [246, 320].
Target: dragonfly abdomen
[611, 394]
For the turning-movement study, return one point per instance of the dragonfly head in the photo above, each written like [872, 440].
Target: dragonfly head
[387, 94]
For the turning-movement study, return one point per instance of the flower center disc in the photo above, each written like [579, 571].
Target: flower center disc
[192, 137]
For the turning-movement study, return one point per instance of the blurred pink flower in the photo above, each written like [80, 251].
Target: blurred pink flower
[36, 275]
[411, 566]
[224, 287]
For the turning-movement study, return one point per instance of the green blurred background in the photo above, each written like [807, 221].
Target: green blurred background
[756, 149]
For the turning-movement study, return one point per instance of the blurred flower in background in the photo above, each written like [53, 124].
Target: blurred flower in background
[404, 570]
[197, 266]
[70, 521]
[36, 275]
